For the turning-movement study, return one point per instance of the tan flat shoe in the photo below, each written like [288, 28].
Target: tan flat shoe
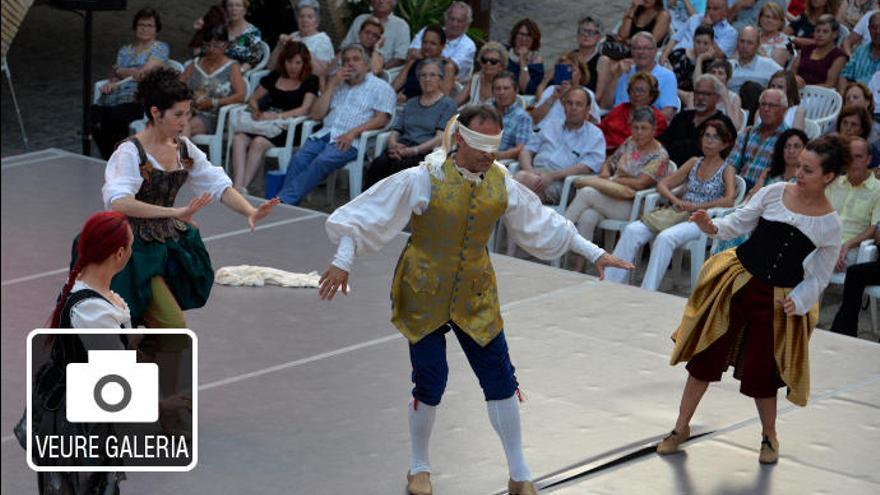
[670, 444]
[769, 450]
[521, 488]
[419, 483]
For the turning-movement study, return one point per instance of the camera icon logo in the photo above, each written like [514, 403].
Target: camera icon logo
[112, 388]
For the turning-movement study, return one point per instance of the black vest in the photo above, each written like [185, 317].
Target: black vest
[775, 253]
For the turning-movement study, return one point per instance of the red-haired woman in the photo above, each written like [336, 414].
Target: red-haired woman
[86, 301]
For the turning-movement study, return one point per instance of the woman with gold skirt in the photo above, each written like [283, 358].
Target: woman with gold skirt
[755, 306]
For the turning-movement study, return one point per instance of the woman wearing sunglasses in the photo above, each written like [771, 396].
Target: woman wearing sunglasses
[492, 59]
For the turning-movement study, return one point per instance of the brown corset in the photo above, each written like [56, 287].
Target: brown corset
[159, 188]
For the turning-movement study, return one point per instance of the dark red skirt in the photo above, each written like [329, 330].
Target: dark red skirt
[747, 344]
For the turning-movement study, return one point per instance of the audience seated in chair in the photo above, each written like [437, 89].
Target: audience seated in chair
[407, 81]
[856, 198]
[524, 59]
[308, 19]
[368, 37]
[753, 150]
[285, 93]
[858, 276]
[682, 137]
[116, 106]
[865, 60]
[751, 72]
[417, 127]
[716, 18]
[460, 48]
[773, 42]
[560, 149]
[636, 165]
[214, 79]
[549, 106]
[709, 183]
[643, 91]
[478, 90]
[644, 16]
[396, 37]
[353, 101]
[589, 53]
[644, 52]
[820, 64]
[517, 122]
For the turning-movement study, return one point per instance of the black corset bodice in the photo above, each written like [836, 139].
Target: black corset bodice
[775, 253]
[159, 188]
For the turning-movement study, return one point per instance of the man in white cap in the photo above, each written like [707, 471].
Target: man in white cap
[444, 280]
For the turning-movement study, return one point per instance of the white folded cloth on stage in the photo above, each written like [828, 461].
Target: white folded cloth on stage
[258, 276]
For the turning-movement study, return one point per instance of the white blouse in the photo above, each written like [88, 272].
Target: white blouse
[372, 219]
[824, 231]
[95, 312]
[319, 44]
[122, 177]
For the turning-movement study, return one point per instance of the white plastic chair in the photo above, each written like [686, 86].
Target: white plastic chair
[611, 227]
[265, 53]
[811, 128]
[821, 104]
[698, 247]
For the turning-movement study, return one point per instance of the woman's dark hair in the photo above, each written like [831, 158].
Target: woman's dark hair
[704, 30]
[534, 32]
[723, 65]
[215, 16]
[723, 132]
[218, 32]
[479, 112]
[791, 87]
[777, 163]
[290, 50]
[436, 30]
[861, 113]
[833, 151]
[102, 235]
[161, 88]
[658, 4]
[642, 114]
[147, 13]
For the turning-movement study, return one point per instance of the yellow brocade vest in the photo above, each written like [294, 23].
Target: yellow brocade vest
[444, 272]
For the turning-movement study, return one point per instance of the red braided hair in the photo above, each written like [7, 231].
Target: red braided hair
[102, 235]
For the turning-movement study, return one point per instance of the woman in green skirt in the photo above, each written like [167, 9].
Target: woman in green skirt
[170, 270]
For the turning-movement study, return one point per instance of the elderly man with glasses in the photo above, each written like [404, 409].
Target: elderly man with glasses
[681, 138]
[753, 150]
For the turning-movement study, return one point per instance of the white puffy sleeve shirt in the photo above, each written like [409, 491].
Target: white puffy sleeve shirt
[372, 219]
[122, 177]
[824, 231]
[98, 313]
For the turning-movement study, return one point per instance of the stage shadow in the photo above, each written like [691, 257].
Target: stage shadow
[762, 484]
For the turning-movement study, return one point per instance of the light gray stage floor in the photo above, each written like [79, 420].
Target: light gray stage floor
[307, 397]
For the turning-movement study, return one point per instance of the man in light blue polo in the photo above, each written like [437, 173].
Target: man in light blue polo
[644, 59]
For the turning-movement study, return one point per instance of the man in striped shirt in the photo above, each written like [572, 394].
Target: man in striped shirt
[754, 146]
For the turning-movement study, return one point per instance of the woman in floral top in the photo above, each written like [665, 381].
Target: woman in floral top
[244, 37]
[117, 107]
[637, 164]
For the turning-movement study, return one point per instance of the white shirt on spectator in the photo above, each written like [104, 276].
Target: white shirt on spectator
[725, 35]
[666, 82]
[556, 147]
[319, 44]
[556, 111]
[461, 51]
[122, 176]
[759, 70]
[874, 86]
[396, 36]
[861, 27]
[352, 106]
[372, 219]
